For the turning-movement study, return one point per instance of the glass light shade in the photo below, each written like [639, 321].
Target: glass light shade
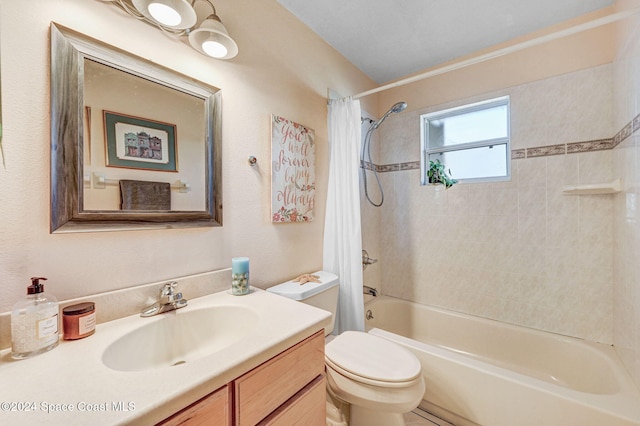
[164, 12]
[214, 49]
[211, 38]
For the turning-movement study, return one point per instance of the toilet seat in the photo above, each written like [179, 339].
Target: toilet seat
[372, 360]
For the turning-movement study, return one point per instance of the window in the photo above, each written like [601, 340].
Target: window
[472, 141]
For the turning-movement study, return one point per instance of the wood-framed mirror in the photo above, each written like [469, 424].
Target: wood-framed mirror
[134, 145]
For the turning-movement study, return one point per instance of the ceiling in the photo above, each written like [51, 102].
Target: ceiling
[390, 39]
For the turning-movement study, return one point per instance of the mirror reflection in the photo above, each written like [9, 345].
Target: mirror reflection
[134, 145]
[125, 139]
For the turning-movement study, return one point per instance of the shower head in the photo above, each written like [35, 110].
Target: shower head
[366, 148]
[396, 108]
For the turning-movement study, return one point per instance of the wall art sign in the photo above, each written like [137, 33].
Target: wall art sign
[139, 143]
[293, 176]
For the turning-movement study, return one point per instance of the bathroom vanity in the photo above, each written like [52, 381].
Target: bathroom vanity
[288, 388]
[267, 372]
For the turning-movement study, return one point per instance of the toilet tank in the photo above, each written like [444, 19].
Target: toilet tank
[323, 295]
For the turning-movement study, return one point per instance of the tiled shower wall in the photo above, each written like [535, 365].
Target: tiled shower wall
[521, 251]
[626, 161]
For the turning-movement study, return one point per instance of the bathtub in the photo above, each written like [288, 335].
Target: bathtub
[484, 372]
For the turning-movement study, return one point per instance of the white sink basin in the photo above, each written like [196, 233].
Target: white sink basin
[178, 337]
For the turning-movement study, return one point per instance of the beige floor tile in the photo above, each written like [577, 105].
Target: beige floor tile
[419, 417]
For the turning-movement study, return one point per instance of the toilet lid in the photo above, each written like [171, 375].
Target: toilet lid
[371, 357]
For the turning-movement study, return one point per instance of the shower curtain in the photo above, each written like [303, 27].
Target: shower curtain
[342, 234]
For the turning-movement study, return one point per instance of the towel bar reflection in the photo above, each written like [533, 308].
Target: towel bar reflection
[100, 181]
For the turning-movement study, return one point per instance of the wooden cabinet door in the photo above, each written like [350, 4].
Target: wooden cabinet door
[212, 410]
[268, 386]
[307, 408]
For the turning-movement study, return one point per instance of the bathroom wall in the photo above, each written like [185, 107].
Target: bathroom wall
[626, 165]
[402, 144]
[520, 251]
[282, 68]
[523, 251]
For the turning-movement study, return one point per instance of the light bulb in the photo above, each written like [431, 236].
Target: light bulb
[214, 49]
[164, 14]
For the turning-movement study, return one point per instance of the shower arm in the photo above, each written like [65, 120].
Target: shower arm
[395, 109]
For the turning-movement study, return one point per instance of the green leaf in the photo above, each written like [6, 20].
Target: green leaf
[437, 173]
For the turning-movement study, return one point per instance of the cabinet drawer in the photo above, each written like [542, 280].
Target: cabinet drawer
[212, 410]
[268, 386]
[307, 408]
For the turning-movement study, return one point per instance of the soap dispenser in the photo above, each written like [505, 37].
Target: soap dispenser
[34, 322]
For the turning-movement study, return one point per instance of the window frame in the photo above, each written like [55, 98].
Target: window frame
[425, 150]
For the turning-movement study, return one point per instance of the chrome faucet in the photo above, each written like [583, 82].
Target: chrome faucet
[369, 290]
[168, 301]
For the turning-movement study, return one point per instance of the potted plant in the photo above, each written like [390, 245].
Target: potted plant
[438, 174]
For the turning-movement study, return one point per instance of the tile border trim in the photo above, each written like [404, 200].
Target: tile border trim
[538, 151]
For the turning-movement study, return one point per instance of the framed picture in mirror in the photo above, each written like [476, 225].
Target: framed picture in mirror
[139, 143]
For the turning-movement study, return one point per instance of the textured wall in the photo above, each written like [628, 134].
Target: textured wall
[523, 251]
[626, 161]
[282, 68]
[520, 251]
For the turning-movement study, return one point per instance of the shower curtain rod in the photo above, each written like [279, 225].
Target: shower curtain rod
[504, 51]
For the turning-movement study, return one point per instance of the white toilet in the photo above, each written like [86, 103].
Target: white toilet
[378, 379]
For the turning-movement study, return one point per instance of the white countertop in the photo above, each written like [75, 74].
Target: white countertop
[78, 389]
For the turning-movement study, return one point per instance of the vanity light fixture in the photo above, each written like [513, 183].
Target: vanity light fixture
[179, 18]
[174, 14]
[212, 39]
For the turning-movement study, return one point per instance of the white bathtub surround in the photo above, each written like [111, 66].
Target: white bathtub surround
[342, 247]
[626, 205]
[520, 251]
[541, 258]
[485, 372]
